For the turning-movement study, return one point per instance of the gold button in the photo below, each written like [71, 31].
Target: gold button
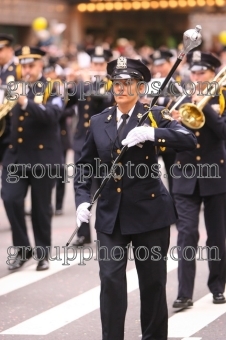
[147, 157]
[198, 146]
[159, 140]
[20, 140]
[20, 129]
[118, 151]
[119, 163]
[222, 161]
[198, 158]
[63, 132]
[197, 133]
[41, 146]
[10, 146]
[118, 190]
[152, 195]
[178, 162]
[88, 99]
[21, 118]
[163, 140]
[86, 124]
[119, 178]
[26, 114]
[86, 115]
[86, 107]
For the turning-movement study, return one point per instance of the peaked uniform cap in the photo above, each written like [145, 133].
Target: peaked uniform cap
[126, 68]
[6, 40]
[161, 56]
[27, 54]
[99, 55]
[199, 61]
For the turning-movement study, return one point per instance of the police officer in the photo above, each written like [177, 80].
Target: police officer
[134, 206]
[29, 160]
[199, 176]
[9, 71]
[97, 97]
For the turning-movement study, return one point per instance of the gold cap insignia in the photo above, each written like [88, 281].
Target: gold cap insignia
[121, 63]
[156, 54]
[196, 56]
[99, 50]
[26, 50]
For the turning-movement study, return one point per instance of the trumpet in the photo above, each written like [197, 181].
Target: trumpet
[191, 114]
[6, 106]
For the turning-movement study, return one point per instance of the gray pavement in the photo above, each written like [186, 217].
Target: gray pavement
[63, 302]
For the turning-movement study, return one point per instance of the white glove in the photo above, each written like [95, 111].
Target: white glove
[83, 214]
[139, 135]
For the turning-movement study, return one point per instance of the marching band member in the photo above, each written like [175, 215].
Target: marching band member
[34, 144]
[191, 188]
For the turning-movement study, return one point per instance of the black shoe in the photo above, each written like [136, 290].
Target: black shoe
[58, 212]
[182, 302]
[19, 261]
[218, 298]
[42, 265]
[81, 241]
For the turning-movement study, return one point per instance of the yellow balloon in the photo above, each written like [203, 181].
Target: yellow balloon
[39, 24]
[222, 37]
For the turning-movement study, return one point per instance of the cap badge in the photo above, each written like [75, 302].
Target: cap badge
[99, 50]
[196, 56]
[121, 63]
[26, 50]
[157, 54]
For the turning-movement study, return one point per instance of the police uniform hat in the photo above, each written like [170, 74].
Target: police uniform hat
[99, 54]
[199, 61]
[125, 68]
[6, 40]
[28, 54]
[161, 56]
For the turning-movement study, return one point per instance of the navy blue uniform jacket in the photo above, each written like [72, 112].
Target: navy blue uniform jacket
[207, 163]
[35, 133]
[138, 197]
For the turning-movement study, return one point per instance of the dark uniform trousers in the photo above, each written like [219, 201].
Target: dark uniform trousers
[188, 208]
[13, 195]
[113, 297]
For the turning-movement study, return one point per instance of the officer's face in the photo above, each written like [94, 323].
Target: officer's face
[202, 77]
[127, 91]
[99, 67]
[6, 53]
[32, 71]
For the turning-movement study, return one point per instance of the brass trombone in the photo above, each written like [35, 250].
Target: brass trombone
[191, 114]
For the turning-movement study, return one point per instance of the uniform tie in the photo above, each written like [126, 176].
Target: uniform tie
[122, 127]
